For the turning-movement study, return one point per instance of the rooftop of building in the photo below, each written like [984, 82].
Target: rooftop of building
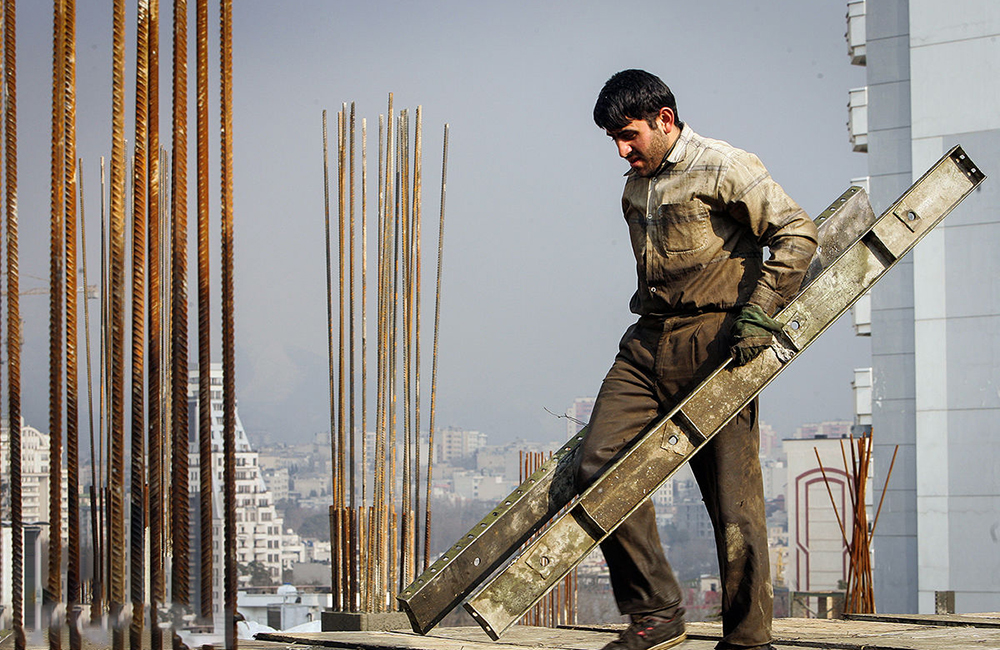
[861, 632]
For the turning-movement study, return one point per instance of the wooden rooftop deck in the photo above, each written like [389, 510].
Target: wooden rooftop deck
[979, 632]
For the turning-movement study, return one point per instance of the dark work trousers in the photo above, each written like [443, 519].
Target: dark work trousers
[659, 361]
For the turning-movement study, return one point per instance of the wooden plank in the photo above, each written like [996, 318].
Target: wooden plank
[974, 620]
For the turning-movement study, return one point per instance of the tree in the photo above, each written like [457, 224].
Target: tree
[259, 575]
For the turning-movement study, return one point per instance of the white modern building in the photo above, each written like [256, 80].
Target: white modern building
[260, 535]
[818, 501]
[932, 70]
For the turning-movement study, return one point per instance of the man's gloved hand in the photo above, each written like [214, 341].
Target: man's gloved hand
[751, 334]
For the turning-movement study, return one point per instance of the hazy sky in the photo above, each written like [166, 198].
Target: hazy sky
[538, 269]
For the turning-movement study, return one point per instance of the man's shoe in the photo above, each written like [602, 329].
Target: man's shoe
[651, 632]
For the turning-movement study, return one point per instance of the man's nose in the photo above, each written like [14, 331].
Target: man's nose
[623, 149]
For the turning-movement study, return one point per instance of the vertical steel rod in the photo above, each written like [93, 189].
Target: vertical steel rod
[366, 559]
[406, 279]
[137, 491]
[94, 528]
[204, 332]
[417, 191]
[180, 520]
[72, 378]
[434, 354]
[352, 460]
[154, 430]
[393, 369]
[228, 347]
[340, 497]
[374, 541]
[3, 79]
[179, 314]
[329, 339]
[386, 497]
[13, 320]
[72, 383]
[116, 544]
[339, 500]
[53, 591]
[98, 490]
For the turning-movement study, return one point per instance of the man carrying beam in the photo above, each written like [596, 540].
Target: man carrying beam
[699, 213]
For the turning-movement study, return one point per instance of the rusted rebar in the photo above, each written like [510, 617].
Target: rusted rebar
[137, 529]
[72, 381]
[52, 594]
[98, 489]
[434, 355]
[374, 539]
[116, 312]
[339, 489]
[407, 333]
[181, 513]
[204, 332]
[417, 206]
[365, 547]
[352, 432]
[178, 310]
[331, 376]
[95, 537]
[3, 60]
[228, 333]
[13, 319]
[154, 398]
[378, 572]
[860, 587]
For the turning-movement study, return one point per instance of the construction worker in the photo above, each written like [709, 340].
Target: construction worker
[699, 213]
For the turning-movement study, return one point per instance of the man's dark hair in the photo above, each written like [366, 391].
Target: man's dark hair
[633, 95]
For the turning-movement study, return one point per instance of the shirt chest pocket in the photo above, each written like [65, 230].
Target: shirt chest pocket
[679, 227]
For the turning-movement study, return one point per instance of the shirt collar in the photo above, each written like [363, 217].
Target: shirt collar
[677, 152]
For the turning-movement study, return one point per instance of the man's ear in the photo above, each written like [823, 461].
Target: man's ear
[666, 117]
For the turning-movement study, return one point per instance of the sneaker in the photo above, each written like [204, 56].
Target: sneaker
[651, 632]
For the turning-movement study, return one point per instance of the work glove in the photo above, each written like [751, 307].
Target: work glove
[751, 334]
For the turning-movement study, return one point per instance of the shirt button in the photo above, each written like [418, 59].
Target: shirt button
[649, 217]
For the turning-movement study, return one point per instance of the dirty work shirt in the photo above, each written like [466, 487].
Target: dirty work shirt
[698, 229]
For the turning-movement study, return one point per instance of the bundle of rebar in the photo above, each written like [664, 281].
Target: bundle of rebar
[375, 534]
[154, 410]
[860, 592]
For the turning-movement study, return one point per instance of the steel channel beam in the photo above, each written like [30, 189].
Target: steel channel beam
[490, 542]
[652, 460]
[498, 536]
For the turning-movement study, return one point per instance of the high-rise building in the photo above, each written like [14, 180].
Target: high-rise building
[454, 443]
[259, 528]
[935, 319]
[34, 476]
[578, 415]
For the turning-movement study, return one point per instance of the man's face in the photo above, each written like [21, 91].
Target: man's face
[644, 146]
